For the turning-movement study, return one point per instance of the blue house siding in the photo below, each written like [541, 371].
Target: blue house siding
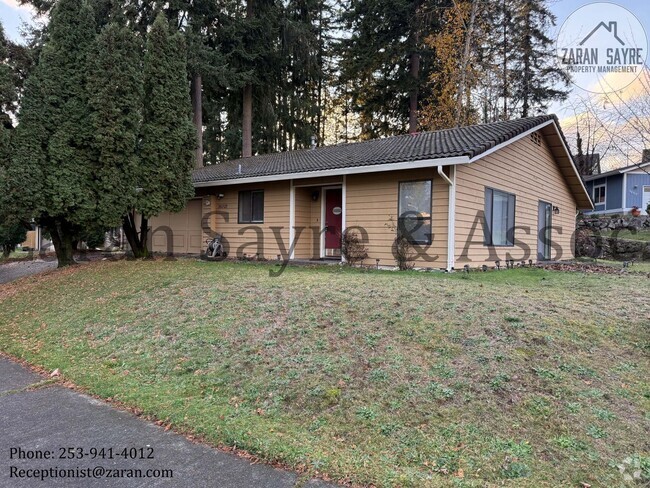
[635, 184]
[613, 192]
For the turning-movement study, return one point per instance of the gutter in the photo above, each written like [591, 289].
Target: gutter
[375, 168]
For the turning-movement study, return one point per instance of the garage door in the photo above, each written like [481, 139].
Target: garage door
[179, 232]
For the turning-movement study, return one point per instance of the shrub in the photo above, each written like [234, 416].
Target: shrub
[11, 234]
[352, 247]
[402, 248]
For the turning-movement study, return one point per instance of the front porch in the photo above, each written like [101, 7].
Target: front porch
[317, 218]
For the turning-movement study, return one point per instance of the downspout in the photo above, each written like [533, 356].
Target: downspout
[292, 219]
[451, 216]
[344, 210]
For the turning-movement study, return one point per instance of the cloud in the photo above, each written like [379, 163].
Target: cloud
[11, 3]
[22, 9]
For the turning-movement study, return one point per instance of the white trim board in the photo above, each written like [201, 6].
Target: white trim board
[510, 141]
[593, 194]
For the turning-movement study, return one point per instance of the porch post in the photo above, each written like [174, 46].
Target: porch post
[292, 219]
[451, 222]
[451, 214]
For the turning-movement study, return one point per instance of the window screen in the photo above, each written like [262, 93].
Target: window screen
[499, 228]
[251, 206]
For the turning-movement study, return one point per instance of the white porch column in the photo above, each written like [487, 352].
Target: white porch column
[451, 214]
[292, 219]
[343, 211]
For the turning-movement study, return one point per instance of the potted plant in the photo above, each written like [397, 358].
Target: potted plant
[636, 211]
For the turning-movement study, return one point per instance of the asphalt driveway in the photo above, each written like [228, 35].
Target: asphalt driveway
[90, 443]
[18, 269]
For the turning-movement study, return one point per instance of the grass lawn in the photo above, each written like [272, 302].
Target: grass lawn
[14, 256]
[634, 267]
[514, 378]
[642, 235]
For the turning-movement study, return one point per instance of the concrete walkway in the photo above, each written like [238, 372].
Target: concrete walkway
[46, 418]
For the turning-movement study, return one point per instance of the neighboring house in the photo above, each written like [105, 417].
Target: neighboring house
[34, 241]
[617, 191]
[471, 195]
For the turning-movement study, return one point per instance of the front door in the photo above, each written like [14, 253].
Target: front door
[544, 228]
[333, 221]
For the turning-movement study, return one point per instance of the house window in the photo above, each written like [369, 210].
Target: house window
[414, 211]
[599, 194]
[251, 207]
[499, 228]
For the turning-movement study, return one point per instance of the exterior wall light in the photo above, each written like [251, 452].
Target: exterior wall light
[556, 210]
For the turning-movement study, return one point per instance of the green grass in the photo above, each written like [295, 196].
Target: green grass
[515, 378]
[642, 235]
[14, 256]
[634, 267]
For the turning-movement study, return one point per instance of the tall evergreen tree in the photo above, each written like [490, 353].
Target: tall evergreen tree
[12, 230]
[168, 136]
[8, 97]
[51, 172]
[539, 80]
[115, 98]
[385, 64]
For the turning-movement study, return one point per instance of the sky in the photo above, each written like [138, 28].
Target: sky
[12, 16]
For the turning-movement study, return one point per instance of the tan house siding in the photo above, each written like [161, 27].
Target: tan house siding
[371, 202]
[303, 221]
[30, 240]
[323, 181]
[528, 171]
[221, 216]
[181, 232]
[242, 238]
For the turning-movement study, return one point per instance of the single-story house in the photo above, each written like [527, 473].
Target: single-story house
[617, 191]
[472, 195]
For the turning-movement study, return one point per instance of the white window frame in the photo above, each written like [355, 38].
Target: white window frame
[604, 186]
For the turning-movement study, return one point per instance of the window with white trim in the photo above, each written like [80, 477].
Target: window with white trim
[599, 194]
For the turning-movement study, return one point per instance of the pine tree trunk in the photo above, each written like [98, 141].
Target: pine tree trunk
[247, 108]
[144, 238]
[527, 67]
[413, 99]
[138, 246]
[247, 122]
[505, 61]
[62, 240]
[460, 116]
[197, 110]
